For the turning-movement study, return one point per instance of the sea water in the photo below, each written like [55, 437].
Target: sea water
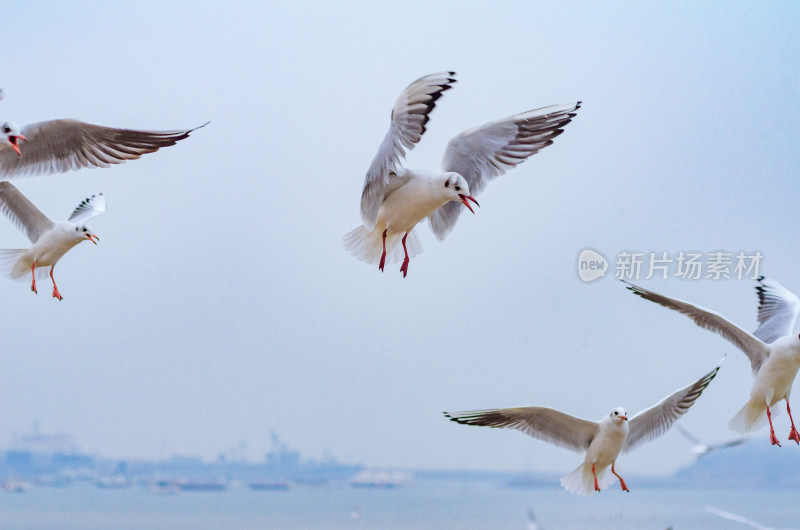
[424, 504]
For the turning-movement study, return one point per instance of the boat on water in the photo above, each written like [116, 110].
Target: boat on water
[381, 479]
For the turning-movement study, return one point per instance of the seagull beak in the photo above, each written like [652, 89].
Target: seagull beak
[464, 200]
[13, 141]
[623, 418]
[92, 237]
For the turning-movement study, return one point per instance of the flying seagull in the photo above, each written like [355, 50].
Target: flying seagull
[701, 449]
[773, 350]
[395, 199]
[603, 441]
[50, 240]
[739, 519]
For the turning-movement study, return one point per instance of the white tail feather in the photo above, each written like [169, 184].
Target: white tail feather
[368, 245]
[752, 416]
[14, 265]
[581, 481]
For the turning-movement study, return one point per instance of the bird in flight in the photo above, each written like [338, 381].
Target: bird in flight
[602, 441]
[773, 350]
[395, 199]
[50, 240]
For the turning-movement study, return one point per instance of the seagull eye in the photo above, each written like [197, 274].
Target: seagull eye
[458, 188]
[447, 184]
[6, 129]
[84, 229]
[616, 413]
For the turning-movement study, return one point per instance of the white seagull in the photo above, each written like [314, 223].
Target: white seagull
[701, 449]
[773, 350]
[395, 199]
[50, 240]
[58, 146]
[602, 441]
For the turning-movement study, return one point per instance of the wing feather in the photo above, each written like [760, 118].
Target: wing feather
[777, 310]
[543, 423]
[483, 153]
[88, 208]
[22, 212]
[58, 146]
[755, 350]
[655, 421]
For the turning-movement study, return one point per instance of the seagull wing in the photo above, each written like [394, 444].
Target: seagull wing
[22, 212]
[485, 152]
[777, 310]
[737, 518]
[655, 421]
[410, 114]
[543, 423]
[88, 208]
[755, 350]
[58, 146]
[688, 435]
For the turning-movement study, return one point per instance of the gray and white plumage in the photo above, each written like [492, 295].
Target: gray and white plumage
[774, 364]
[603, 440]
[394, 199]
[58, 146]
[50, 240]
[701, 448]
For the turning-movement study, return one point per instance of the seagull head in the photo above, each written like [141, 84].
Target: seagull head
[457, 189]
[84, 232]
[11, 135]
[618, 415]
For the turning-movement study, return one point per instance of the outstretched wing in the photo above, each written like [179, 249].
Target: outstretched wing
[755, 350]
[88, 208]
[777, 310]
[483, 153]
[410, 114]
[543, 423]
[58, 146]
[22, 212]
[655, 421]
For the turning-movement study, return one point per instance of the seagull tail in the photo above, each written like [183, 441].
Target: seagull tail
[368, 245]
[14, 266]
[581, 481]
[751, 417]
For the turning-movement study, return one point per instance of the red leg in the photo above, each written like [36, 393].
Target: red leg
[33, 276]
[596, 486]
[793, 435]
[56, 294]
[621, 480]
[383, 256]
[772, 437]
[404, 266]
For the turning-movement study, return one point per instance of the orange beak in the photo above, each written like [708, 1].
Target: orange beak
[13, 141]
[624, 418]
[464, 200]
[92, 237]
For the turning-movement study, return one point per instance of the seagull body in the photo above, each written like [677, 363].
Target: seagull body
[602, 441]
[773, 350]
[51, 240]
[394, 199]
[58, 146]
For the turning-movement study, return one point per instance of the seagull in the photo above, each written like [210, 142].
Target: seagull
[533, 524]
[50, 240]
[740, 519]
[773, 350]
[395, 199]
[603, 440]
[58, 146]
[701, 449]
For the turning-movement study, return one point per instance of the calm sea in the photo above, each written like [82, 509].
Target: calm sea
[427, 504]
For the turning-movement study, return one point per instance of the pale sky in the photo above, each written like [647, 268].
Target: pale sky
[220, 304]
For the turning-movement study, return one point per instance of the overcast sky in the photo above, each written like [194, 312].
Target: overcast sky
[220, 304]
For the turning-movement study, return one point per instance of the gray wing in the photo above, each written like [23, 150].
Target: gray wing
[88, 208]
[485, 152]
[58, 146]
[738, 518]
[777, 310]
[755, 350]
[655, 421]
[686, 434]
[22, 212]
[410, 114]
[543, 423]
